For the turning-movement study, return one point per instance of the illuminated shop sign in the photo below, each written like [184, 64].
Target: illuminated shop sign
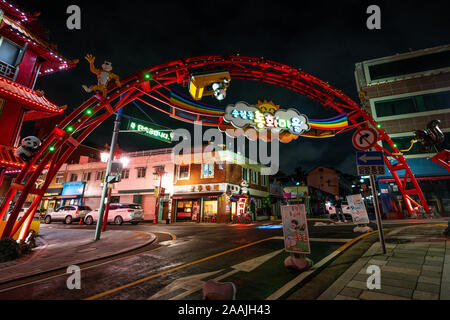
[149, 131]
[266, 116]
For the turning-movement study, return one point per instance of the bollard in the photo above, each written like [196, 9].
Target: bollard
[213, 290]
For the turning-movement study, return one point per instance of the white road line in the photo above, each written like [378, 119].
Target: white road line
[319, 239]
[291, 284]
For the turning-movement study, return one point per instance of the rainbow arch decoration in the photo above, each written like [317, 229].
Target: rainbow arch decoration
[324, 128]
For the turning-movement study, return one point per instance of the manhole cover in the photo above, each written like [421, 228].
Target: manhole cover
[397, 241]
[87, 250]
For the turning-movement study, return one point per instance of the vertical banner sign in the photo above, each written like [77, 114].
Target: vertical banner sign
[295, 229]
[359, 212]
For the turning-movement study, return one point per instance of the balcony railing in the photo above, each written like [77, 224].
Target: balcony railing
[148, 152]
[8, 71]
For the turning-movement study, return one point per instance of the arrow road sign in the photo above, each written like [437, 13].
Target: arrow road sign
[370, 162]
[369, 158]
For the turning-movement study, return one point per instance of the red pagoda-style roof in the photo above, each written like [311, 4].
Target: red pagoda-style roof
[27, 97]
[9, 160]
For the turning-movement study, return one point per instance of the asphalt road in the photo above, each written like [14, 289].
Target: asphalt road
[177, 269]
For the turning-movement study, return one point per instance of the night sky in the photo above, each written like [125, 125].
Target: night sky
[324, 38]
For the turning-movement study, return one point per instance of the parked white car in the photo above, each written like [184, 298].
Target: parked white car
[67, 214]
[119, 213]
[37, 214]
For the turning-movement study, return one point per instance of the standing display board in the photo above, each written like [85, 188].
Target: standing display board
[295, 229]
[359, 212]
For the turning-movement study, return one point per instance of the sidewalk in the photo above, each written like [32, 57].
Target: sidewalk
[416, 266]
[60, 248]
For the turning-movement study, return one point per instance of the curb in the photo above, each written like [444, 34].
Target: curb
[23, 277]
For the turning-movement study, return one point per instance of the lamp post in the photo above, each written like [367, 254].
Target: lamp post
[160, 172]
[104, 198]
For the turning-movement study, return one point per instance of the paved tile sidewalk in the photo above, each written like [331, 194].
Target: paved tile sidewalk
[60, 248]
[416, 266]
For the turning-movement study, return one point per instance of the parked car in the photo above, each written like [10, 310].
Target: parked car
[67, 214]
[37, 214]
[345, 209]
[119, 213]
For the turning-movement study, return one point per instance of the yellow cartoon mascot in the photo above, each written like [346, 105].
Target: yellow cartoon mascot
[104, 76]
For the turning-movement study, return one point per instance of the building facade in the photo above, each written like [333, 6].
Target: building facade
[329, 180]
[404, 93]
[209, 191]
[140, 178]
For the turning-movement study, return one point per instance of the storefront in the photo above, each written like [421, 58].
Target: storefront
[50, 201]
[208, 208]
[72, 193]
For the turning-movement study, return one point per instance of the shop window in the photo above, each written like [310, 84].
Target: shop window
[125, 173]
[264, 180]
[209, 209]
[141, 171]
[183, 172]
[254, 176]
[208, 170]
[73, 177]
[245, 174]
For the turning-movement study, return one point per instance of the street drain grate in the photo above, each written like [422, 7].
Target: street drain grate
[397, 241]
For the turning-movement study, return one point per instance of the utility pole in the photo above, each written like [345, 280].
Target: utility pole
[104, 198]
[377, 212]
[160, 173]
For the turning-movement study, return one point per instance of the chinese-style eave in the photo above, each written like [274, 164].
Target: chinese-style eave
[8, 160]
[30, 99]
[18, 33]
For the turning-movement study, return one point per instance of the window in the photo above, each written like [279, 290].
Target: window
[98, 175]
[245, 174]
[141, 172]
[208, 170]
[9, 51]
[86, 176]
[115, 199]
[137, 198]
[183, 172]
[73, 177]
[422, 63]
[125, 173]
[405, 142]
[59, 178]
[413, 104]
[157, 169]
[263, 180]
[254, 176]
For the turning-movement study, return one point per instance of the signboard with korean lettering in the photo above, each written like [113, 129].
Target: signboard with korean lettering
[358, 209]
[149, 130]
[370, 162]
[242, 115]
[295, 229]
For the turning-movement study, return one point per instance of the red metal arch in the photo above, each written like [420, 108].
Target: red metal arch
[65, 138]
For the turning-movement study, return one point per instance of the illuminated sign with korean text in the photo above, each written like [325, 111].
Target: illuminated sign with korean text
[149, 131]
[242, 115]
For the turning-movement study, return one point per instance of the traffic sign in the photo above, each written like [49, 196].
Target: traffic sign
[364, 138]
[370, 162]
